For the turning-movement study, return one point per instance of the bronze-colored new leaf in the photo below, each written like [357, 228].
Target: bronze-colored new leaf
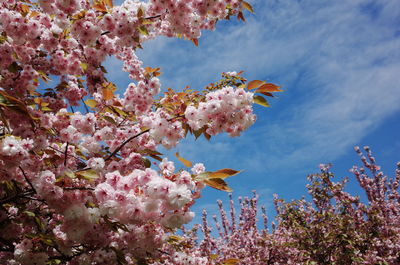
[230, 262]
[107, 94]
[223, 173]
[100, 7]
[109, 3]
[108, 90]
[247, 6]
[187, 163]
[218, 184]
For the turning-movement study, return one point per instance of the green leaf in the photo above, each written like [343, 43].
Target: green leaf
[202, 176]
[146, 162]
[30, 214]
[198, 132]
[3, 37]
[2, 99]
[40, 224]
[46, 109]
[89, 174]
[143, 30]
[156, 157]
[260, 101]
[103, 69]
[91, 103]
[84, 66]
[174, 239]
[14, 67]
[109, 119]
[69, 174]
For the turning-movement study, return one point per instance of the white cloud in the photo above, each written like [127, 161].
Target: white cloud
[338, 61]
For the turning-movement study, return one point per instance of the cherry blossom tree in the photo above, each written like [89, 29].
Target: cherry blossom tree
[81, 180]
[335, 228]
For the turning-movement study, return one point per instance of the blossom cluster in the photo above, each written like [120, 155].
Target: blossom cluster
[146, 195]
[227, 109]
[79, 182]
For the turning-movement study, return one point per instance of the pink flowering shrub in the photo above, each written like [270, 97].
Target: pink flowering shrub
[89, 186]
[335, 228]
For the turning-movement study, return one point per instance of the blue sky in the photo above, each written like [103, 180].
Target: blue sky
[339, 64]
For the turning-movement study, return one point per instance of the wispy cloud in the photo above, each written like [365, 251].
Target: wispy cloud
[339, 62]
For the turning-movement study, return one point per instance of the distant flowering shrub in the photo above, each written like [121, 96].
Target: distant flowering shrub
[335, 228]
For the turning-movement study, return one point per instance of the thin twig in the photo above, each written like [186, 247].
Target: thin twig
[157, 16]
[125, 142]
[22, 195]
[86, 108]
[66, 154]
[78, 188]
[131, 138]
[121, 122]
[35, 199]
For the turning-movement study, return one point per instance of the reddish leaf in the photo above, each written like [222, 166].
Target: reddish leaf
[240, 16]
[269, 87]
[255, 84]
[195, 41]
[267, 94]
[100, 7]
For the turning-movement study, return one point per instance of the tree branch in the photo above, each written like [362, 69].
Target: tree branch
[21, 195]
[27, 180]
[124, 143]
